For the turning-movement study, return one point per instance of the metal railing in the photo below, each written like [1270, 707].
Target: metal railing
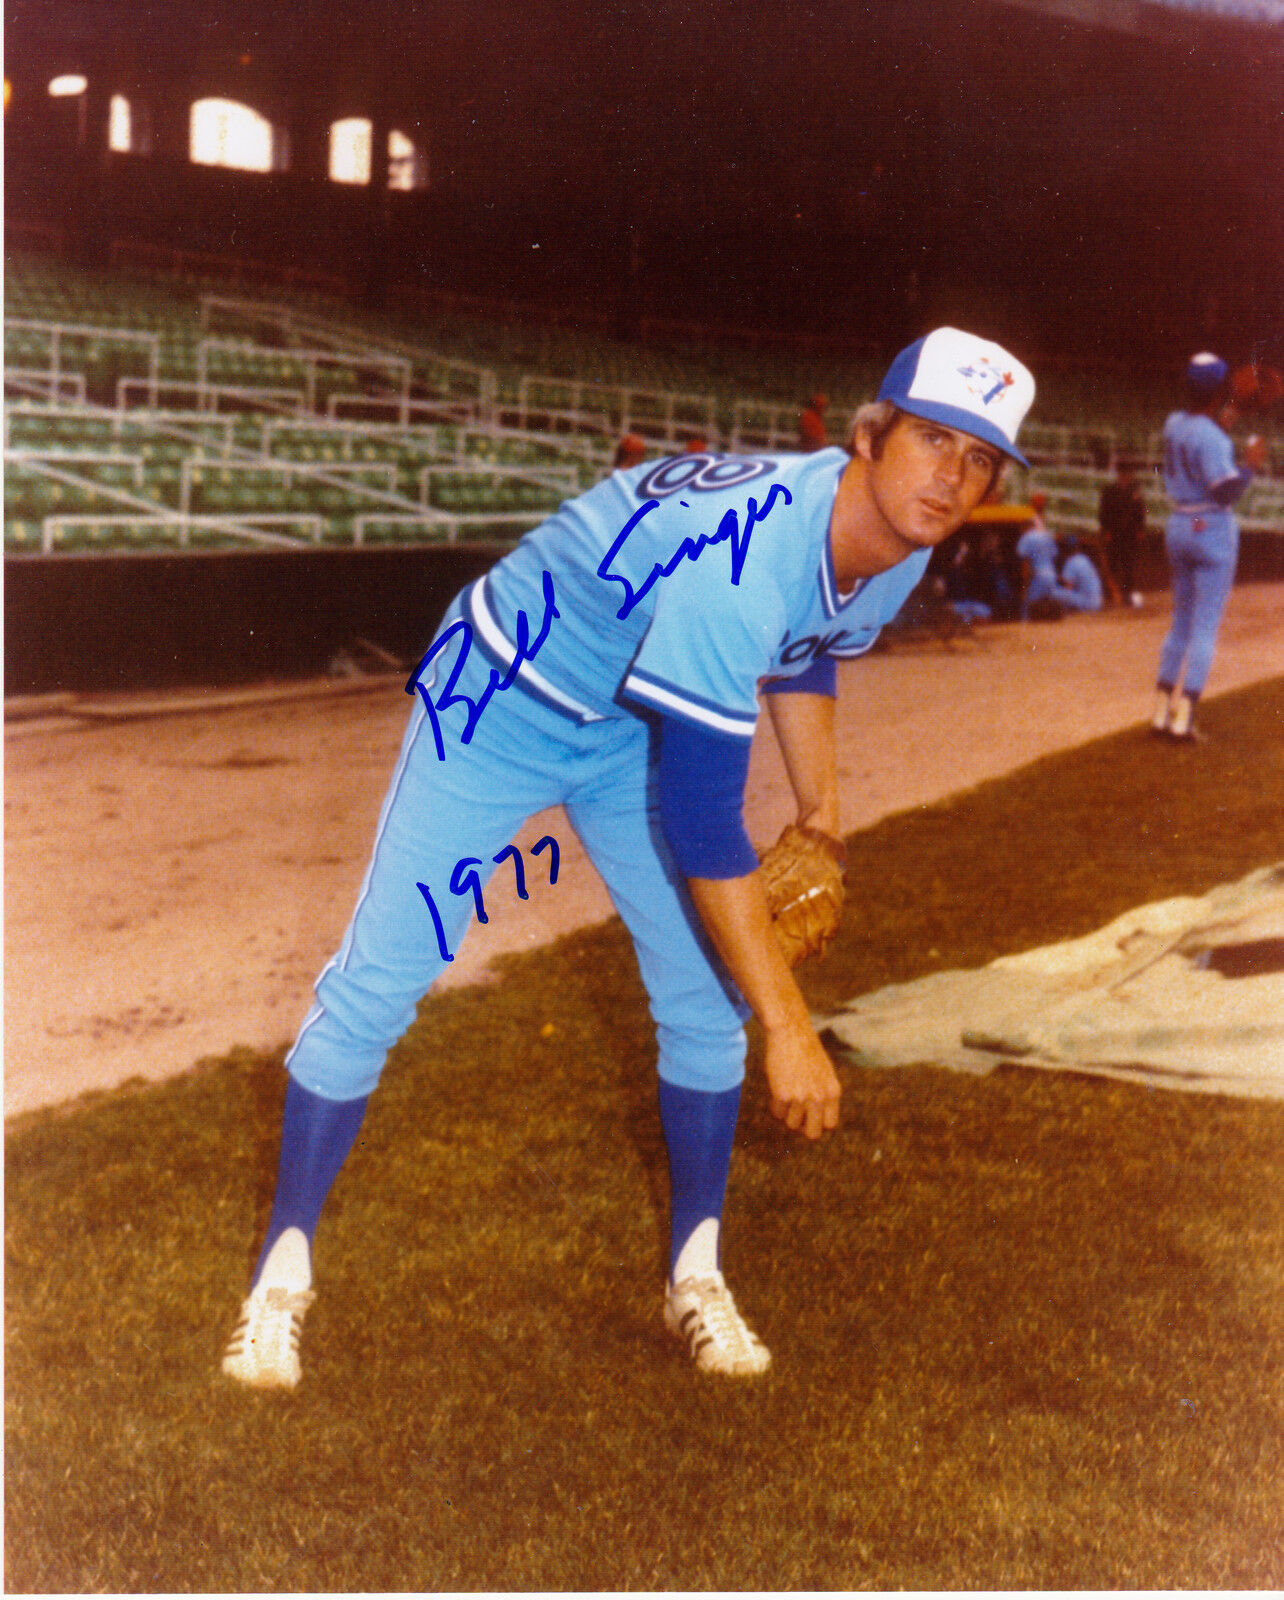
[60, 333]
[618, 408]
[56, 454]
[557, 480]
[184, 426]
[332, 475]
[402, 411]
[44, 384]
[452, 523]
[346, 435]
[359, 366]
[447, 373]
[208, 396]
[589, 451]
[250, 529]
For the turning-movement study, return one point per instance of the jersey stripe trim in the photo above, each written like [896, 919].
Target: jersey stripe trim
[497, 646]
[681, 703]
[343, 955]
[832, 600]
[845, 653]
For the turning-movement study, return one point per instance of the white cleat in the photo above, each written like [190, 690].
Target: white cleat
[264, 1348]
[701, 1312]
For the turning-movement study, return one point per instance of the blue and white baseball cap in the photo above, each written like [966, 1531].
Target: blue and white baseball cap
[964, 382]
[1206, 372]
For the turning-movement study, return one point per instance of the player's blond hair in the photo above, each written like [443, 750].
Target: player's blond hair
[876, 418]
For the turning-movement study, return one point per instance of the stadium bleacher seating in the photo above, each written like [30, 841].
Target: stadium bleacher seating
[146, 414]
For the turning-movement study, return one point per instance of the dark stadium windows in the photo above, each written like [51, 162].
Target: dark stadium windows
[350, 150]
[225, 133]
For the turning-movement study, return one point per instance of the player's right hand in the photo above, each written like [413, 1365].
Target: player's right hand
[803, 1085]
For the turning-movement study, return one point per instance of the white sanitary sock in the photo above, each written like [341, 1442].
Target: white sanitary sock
[698, 1257]
[289, 1263]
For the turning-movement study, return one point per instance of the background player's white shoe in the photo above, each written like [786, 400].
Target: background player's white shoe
[703, 1315]
[264, 1348]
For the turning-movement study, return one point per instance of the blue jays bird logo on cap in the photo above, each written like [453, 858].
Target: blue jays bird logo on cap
[971, 384]
[985, 380]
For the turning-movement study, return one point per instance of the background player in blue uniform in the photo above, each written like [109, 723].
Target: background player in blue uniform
[1037, 551]
[1202, 538]
[1080, 588]
[612, 662]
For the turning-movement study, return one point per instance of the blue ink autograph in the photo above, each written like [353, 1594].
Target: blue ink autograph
[526, 651]
[464, 880]
[689, 549]
[729, 530]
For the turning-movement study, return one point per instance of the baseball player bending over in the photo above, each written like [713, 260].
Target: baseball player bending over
[612, 663]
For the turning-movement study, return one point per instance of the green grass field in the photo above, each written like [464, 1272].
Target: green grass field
[1028, 1329]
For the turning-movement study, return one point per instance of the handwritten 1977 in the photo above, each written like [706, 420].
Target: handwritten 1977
[465, 880]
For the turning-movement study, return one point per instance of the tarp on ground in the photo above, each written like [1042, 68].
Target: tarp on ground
[1185, 993]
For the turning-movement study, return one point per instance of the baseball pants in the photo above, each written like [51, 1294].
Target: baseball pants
[1202, 554]
[522, 757]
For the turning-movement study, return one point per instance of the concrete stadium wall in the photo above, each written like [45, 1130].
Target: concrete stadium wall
[92, 623]
[85, 623]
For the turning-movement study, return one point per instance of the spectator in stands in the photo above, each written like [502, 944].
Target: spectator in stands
[1080, 588]
[1121, 514]
[696, 445]
[811, 423]
[629, 452]
[1037, 549]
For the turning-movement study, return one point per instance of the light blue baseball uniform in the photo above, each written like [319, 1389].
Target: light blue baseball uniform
[675, 587]
[1038, 546]
[1202, 541]
[694, 641]
[1080, 587]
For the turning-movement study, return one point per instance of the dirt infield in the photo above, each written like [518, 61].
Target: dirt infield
[174, 884]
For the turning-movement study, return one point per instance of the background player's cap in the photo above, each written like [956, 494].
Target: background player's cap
[1206, 372]
[964, 382]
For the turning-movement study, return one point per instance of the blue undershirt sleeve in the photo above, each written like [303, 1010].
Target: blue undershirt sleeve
[702, 793]
[820, 678]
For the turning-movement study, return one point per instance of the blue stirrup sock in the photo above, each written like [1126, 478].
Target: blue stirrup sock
[699, 1130]
[316, 1138]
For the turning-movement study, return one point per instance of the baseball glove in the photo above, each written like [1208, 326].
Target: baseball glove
[802, 877]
